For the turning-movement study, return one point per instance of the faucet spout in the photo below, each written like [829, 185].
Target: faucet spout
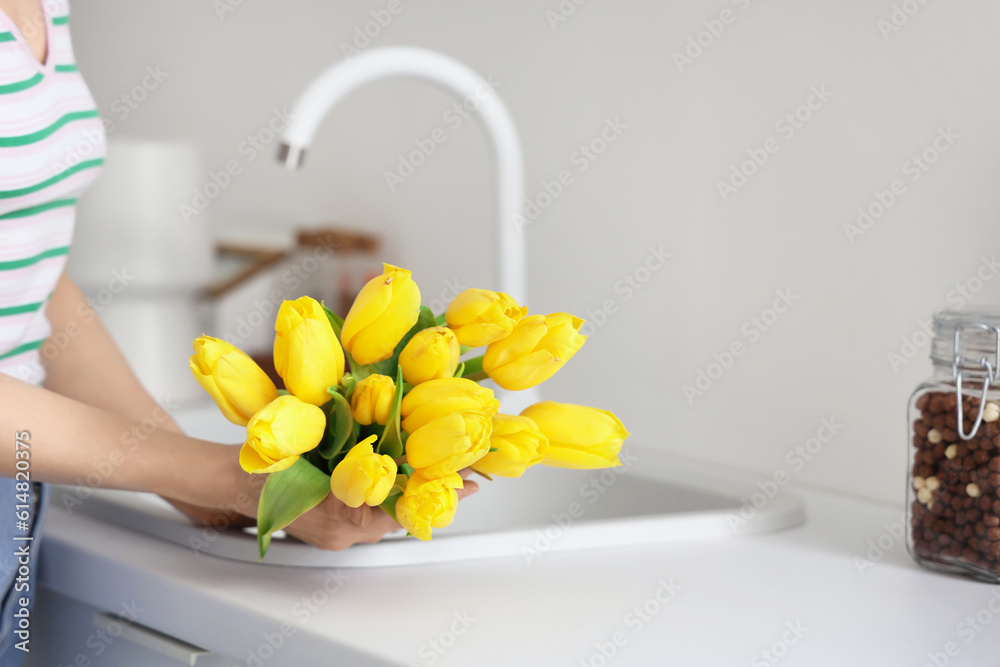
[408, 62]
[291, 157]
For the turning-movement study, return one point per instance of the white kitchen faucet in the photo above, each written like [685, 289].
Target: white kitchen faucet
[407, 62]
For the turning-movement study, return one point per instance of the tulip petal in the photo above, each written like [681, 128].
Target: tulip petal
[516, 445]
[307, 354]
[449, 443]
[250, 388]
[234, 381]
[431, 354]
[281, 431]
[430, 411]
[581, 459]
[579, 436]
[437, 440]
[384, 311]
[437, 398]
[363, 477]
[521, 341]
[252, 462]
[428, 503]
[372, 398]
[371, 302]
[528, 371]
[208, 383]
[536, 348]
[481, 317]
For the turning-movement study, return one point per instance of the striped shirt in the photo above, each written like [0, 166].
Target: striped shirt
[51, 145]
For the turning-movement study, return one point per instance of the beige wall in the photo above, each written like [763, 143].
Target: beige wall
[655, 186]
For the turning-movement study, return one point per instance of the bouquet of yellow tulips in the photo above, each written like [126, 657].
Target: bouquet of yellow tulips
[380, 409]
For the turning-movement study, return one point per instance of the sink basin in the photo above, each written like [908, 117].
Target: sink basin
[649, 499]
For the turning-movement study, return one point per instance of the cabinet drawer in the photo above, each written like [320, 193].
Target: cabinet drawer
[72, 634]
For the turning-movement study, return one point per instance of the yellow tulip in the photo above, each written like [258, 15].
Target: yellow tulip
[480, 317]
[372, 399]
[519, 445]
[431, 354]
[428, 503]
[449, 444]
[307, 355]
[237, 385]
[437, 398]
[363, 477]
[537, 347]
[579, 437]
[276, 436]
[386, 308]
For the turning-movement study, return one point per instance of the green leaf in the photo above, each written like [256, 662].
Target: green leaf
[332, 464]
[286, 496]
[283, 392]
[389, 504]
[391, 442]
[335, 321]
[440, 320]
[315, 458]
[340, 425]
[473, 366]
[388, 366]
[369, 430]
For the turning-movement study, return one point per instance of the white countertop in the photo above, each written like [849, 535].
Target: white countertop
[737, 597]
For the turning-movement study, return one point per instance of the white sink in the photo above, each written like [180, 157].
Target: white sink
[650, 499]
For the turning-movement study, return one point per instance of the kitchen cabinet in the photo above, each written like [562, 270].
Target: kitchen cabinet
[73, 633]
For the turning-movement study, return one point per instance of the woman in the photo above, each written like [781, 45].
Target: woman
[68, 409]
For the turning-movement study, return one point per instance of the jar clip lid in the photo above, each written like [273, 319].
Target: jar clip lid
[989, 379]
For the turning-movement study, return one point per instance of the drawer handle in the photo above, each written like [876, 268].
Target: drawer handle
[171, 647]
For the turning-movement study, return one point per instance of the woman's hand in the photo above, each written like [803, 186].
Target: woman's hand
[206, 516]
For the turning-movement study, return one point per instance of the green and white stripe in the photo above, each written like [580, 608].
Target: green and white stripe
[51, 148]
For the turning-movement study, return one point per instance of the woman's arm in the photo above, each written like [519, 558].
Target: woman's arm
[83, 362]
[71, 441]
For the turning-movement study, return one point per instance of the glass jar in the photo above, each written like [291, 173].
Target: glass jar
[953, 507]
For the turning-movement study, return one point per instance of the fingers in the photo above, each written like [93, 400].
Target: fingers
[360, 517]
[334, 526]
[382, 523]
[369, 524]
[207, 516]
[470, 488]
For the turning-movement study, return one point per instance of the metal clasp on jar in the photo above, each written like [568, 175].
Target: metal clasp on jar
[989, 379]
